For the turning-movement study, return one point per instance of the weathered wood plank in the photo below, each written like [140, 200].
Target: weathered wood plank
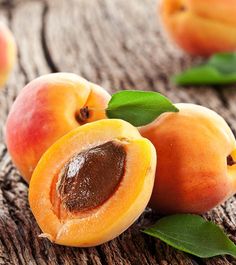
[119, 45]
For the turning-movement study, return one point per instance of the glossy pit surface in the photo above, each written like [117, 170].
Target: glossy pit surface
[91, 177]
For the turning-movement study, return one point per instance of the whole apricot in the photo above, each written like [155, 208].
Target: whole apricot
[7, 53]
[92, 183]
[201, 27]
[46, 109]
[196, 153]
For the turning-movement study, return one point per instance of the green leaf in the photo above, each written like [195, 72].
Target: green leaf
[220, 69]
[138, 107]
[192, 234]
[224, 62]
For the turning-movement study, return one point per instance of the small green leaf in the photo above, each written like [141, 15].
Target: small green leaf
[192, 234]
[220, 69]
[224, 62]
[138, 107]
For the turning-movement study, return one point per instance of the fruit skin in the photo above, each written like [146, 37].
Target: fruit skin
[201, 27]
[44, 111]
[7, 53]
[101, 224]
[192, 146]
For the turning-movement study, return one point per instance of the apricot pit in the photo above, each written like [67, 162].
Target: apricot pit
[91, 177]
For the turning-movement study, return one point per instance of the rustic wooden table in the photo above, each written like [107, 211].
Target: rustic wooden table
[117, 44]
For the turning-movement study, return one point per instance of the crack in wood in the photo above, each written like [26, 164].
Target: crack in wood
[47, 55]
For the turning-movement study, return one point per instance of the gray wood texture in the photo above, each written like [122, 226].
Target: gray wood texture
[117, 44]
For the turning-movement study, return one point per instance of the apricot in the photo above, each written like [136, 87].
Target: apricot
[196, 153]
[7, 53]
[93, 183]
[46, 109]
[201, 27]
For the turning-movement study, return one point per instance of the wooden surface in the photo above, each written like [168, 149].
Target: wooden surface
[119, 45]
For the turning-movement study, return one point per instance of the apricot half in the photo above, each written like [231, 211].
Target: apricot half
[93, 183]
[46, 109]
[196, 167]
[201, 27]
[7, 53]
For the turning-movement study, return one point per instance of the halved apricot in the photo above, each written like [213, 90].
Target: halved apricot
[93, 183]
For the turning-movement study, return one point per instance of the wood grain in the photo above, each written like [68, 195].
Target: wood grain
[118, 44]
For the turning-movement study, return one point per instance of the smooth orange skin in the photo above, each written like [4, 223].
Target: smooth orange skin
[44, 111]
[192, 146]
[7, 53]
[201, 27]
[99, 225]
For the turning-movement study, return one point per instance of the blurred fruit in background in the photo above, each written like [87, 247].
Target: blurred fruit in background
[7, 53]
[201, 27]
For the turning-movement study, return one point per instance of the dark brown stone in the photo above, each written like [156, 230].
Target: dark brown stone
[92, 176]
